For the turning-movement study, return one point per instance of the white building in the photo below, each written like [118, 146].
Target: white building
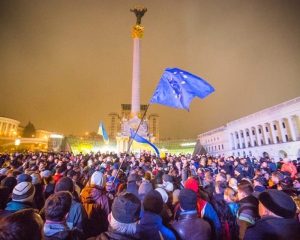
[273, 132]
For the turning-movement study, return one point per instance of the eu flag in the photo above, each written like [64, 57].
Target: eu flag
[142, 143]
[177, 88]
[102, 132]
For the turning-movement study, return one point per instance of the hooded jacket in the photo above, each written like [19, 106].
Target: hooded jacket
[96, 205]
[150, 225]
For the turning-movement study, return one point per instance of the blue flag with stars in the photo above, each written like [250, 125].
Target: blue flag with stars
[177, 88]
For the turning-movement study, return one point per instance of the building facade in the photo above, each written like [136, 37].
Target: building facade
[115, 121]
[8, 127]
[273, 132]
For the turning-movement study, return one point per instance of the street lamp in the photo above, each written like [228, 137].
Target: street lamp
[17, 143]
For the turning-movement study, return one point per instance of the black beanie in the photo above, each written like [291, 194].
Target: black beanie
[187, 199]
[64, 184]
[9, 182]
[153, 202]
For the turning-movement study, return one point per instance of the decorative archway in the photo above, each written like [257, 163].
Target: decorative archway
[265, 154]
[283, 154]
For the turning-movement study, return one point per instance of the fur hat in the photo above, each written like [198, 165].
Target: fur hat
[163, 194]
[23, 192]
[278, 202]
[192, 184]
[153, 202]
[126, 208]
[187, 199]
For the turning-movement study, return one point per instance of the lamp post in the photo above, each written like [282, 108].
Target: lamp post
[17, 143]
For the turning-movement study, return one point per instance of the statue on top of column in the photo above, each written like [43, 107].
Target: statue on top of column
[139, 13]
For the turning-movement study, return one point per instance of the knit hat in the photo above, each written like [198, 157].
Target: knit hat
[163, 194]
[175, 196]
[153, 202]
[23, 192]
[126, 208]
[98, 179]
[45, 173]
[187, 199]
[144, 188]
[64, 184]
[278, 202]
[9, 182]
[192, 184]
[24, 178]
[168, 186]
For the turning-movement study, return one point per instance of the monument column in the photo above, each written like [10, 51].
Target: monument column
[137, 34]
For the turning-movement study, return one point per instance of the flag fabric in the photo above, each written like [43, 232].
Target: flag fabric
[102, 132]
[141, 143]
[177, 88]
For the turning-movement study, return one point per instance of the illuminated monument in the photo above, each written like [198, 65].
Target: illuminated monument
[134, 119]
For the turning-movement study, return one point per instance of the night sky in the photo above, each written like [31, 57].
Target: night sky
[65, 65]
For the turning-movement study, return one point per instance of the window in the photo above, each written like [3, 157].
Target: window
[250, 153]
[242, 135]
[247, 133]
[238, 153]
[267, 130]
[275, 128]
[237, 136]
[222, 146]
[253, 133]
[215, 147]
[233, 154]
[262, 142]
[219, 147]
[259, 130]
[283, 124]
[277, 138]
[269, 140]
[286, 137]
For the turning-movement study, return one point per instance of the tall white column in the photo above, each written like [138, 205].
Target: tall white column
[281, 130]
[135, 97]
[273, 132]
[240, 139]
[265, 134]
[245, 138]
[6, 129]
[251, 137]
[258, 136]
[234, 140]
[291, 126]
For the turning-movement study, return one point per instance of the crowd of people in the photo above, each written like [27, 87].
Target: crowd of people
[126, 196]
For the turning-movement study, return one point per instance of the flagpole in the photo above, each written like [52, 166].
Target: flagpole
[130, 143]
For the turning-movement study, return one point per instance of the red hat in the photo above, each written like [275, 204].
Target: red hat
[192, 184]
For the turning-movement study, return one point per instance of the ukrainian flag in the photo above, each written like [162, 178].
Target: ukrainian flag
[102, 132]
[138, 142]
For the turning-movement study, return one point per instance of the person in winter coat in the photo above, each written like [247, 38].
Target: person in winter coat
[77, 216]
[150, 225]
[123, 219]
[204, 210]
[277, 211]
[289, 167]
[56, 209]
[247, 214]
[189, 226]
[96, 205]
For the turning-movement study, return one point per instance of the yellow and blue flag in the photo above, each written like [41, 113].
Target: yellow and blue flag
[177, 88]
[138, 142]
[102, 132]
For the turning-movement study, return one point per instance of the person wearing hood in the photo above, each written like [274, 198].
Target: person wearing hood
[96, 205]
[151, 226]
